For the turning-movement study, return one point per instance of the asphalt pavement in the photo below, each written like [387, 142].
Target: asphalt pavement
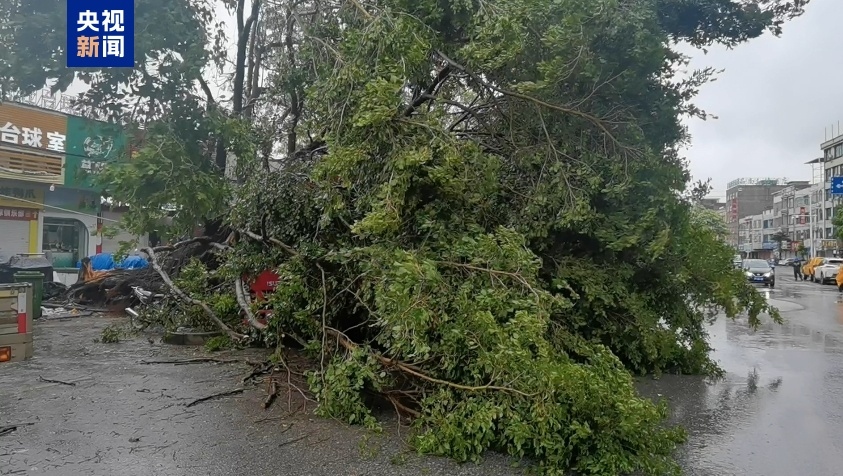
[778, 411]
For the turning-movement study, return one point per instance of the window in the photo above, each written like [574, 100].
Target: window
[838, 150]
[829, 153]
[66, 239]
[828, 215]
[828, 232]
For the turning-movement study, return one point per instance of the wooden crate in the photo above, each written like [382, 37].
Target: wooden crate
[15, 322]
[16, 346]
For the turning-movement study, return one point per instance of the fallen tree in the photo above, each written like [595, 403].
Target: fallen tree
[491, 227]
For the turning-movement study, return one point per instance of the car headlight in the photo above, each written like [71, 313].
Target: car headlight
[748, 274]
[769, 275]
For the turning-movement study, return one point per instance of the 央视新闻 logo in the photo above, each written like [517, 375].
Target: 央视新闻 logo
[100, 34]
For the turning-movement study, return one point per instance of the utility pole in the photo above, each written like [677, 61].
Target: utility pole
[811, 223]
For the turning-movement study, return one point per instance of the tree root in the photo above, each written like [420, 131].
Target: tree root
[236, 336]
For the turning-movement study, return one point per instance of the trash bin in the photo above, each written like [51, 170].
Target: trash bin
[36, 279]
[30, 262]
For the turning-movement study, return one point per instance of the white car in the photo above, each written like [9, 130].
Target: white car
[827, 270]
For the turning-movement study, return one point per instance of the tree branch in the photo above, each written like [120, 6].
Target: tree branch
[387, 362]
[205, 240]
[289, 249]
[583, 115]
[208, 94]
[243, 301]
[428, 92]
[243, 33]
[184, 297]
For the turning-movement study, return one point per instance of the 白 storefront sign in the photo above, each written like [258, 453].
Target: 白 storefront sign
[21, 214]
[21, 195]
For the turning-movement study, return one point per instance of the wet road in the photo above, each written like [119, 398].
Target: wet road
[778, 412]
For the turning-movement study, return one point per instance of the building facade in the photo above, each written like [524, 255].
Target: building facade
[48, 202]
[746, 197]
[801, 214]
[832, 166]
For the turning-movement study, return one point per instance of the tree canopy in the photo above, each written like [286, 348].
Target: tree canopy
[481, 215]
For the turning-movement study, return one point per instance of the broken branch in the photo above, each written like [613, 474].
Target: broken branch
[199, 239]
[243, 301]
[387, 362]
[47, 380]
[198, 360]
[289, 249]
[184, 297]
[273, 392]
[10, 428]
[216, 395]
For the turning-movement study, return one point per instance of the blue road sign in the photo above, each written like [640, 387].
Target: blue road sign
[100, 34]
[837, 185]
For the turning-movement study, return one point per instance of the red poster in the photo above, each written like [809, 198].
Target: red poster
[22, 214]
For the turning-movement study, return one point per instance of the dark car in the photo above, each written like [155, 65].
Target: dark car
[759, 271]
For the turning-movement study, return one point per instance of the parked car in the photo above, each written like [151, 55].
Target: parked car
[827, 270]
[737, 261]
[759, 271]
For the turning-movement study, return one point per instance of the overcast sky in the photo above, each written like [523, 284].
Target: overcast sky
[776, 101]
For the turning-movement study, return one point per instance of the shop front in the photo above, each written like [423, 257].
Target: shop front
[70, 226]
[21, 207]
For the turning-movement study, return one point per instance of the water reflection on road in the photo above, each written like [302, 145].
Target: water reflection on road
[779, 410]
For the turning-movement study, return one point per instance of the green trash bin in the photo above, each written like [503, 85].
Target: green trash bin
[36, 279]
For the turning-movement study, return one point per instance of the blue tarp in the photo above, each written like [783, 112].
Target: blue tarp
[105, 262]
[133, 262]
[102, 262]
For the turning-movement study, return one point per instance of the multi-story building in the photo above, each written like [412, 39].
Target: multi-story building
[747, 197]
[48, 201]
[801, 214]
[713, 204]
[831, 166]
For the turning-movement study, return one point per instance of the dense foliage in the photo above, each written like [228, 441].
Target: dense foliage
[482, 217]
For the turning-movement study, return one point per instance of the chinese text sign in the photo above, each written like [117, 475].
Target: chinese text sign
[100, 34]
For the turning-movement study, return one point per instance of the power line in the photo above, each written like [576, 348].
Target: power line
[58, 208]
[11, 147]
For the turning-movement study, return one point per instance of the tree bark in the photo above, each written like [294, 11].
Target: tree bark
[243, 33]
